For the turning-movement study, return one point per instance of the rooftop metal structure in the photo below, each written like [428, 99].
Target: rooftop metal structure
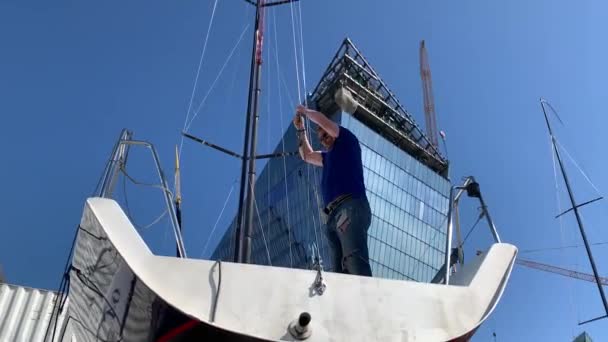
[379, 108]
[26, 314]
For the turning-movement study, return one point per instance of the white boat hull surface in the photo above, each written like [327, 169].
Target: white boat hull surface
[261, 301]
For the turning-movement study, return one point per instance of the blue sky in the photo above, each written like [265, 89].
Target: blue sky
[72, 74]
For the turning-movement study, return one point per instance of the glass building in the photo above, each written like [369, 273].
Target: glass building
[584, 337]
[405, 178]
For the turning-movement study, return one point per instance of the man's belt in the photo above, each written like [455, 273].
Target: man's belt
[336, 203]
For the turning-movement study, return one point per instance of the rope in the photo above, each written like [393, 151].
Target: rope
[578, 167]
[155, 221]
[93, 334]
[88, 283]
[198, 71]
[152, 185]
[200, 106]
[128, 210]
[218, 219]
[219, 287]
[276, 51]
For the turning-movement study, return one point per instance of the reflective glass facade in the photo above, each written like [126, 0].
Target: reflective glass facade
[409, 204]
[287, 208]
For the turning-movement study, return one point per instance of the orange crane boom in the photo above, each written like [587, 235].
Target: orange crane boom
[429, 101]
[560, 271]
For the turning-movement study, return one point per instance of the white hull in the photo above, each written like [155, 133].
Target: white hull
[261, 301]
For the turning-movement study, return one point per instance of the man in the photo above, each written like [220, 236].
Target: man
[343, 188]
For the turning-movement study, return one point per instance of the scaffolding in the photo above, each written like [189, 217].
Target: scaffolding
[379, 108]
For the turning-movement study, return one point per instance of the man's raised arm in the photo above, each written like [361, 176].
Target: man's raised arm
[320, 119]
[306, 151]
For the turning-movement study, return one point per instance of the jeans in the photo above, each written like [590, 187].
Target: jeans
[346, 231]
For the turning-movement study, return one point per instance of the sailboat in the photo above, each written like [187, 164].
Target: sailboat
[118, 290]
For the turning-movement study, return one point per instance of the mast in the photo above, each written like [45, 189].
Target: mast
[239, 236]
[244, 217]
[248, 232]
[244, 228]
[576, 214]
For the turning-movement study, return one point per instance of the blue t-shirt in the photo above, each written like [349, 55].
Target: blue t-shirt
[342, 168]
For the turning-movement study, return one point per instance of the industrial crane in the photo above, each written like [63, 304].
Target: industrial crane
[429, 101]
[560, 271]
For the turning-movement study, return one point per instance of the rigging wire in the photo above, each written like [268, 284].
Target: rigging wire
[573, 308]
[293, 104]
[315, 174]
[302, 97]
[555, 144]
[472, 229]
[316, 233]
[218, 219]
[198, 71]
[269, 128]
[427, 248]
[202, 103]
[295, 52]
[302, 50]
[289, 97]
[278, 69]
[261, 228]
[578, 167]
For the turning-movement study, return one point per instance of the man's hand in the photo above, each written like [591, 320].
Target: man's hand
[320, 119]
[300, 109]
[306, 151]
[298, 121]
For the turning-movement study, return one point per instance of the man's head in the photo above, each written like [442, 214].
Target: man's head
[324, 138]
